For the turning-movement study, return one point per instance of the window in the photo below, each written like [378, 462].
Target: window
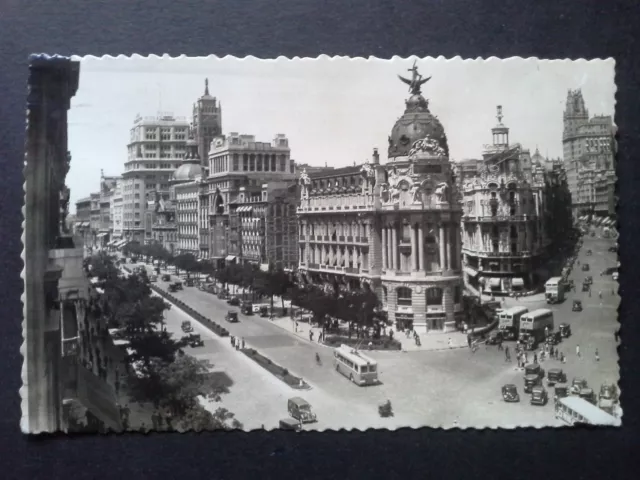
[404, 296]
[283, 163]
[236, 162]
[457, 294]
[245, 162]
[273, 163]
[434, 296]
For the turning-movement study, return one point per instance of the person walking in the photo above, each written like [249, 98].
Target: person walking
[507, 355]
[450, 343]
[597, 356]
[578, 351]
[232, 341]
[243, 343]
[535, 358]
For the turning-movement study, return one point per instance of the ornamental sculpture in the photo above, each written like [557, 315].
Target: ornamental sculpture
[441, 192]
[416, 81]
[429, 146]
[367, 170]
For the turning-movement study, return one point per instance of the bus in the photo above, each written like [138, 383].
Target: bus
[536, 325]
[509, 321]
[357, 367]
[554, 290]
[573, 409]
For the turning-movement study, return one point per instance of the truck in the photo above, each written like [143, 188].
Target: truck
[509, 321]
[535, 326]
[554, 290]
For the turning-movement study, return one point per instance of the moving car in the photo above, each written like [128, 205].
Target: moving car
[531, 381]
[539, 396]
[234, 301]
[556, 375]
[187, 327]
[589, 253]
[553, 338]
[577, 385]
[189, 282]
[194, 340]
[231, 316]
[561, 391]
[534, 369]
[246, 308]
[153, 278]
[588, 279]
[494, 338]
[565, 330]
[166, 277]
[174, 287]
[608, 397]
[510, 393]
[264, 311]
[577, 306]
[613, 249]
[290, 424]
[300, 409]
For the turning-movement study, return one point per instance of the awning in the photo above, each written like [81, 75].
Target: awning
[230, 258]
[494, 282]
[244, 209]
[470, 271]
[517, 282]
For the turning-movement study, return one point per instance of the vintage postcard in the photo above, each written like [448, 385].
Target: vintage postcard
[319, 244]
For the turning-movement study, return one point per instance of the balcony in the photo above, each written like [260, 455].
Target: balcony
[497, 218]
[352, 270]
[349, 238]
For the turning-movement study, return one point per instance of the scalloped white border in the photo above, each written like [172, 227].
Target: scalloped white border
[281, 58]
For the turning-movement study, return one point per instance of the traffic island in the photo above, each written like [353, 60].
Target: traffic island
[363, 343]
[275, 369]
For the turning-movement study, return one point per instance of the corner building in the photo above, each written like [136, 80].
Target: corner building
[392, 228]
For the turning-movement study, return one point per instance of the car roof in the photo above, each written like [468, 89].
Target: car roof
[537, 388]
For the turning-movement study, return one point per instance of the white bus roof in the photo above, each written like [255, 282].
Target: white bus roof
[553, 280]
[589, 411]
[514, 310]
[355, 356]
[538, 312]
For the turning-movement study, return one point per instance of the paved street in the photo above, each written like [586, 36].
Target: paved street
[425, 387]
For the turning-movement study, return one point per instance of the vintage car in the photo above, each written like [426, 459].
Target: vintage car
[577, 385]
[246, 308]
[608, 397]
[534, 369]
[586, 286]
[589, 395]
[222, 295]
[290, 424]
[565, 330]
[234, 301]
[494, 338]
[589, 253]
[560, 391]
[231, 316]
[166, 277]
[186, 326]
[588, 279]
[613, 249]
[510, 393]
[531, 381]
[194, 340]
[556, 375]
[264, 311]
[577, 306]
[553, 338]
[153, 278]
[585, 267]
[300, 409]
[539, 396]
[174, 287]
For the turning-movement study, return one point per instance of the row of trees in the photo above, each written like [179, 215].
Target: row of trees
[185, 261]
[164, 375]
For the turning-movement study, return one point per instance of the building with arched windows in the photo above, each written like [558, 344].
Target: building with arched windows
[393, 227]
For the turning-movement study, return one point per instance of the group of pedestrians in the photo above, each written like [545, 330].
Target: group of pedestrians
[237, 343]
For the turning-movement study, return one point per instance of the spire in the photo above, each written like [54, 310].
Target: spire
[206, 86]
[499, 115]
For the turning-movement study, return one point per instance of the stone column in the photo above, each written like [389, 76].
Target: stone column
[389, 248]
[458, 254]
[394, 247]
[385, 250]
[447, 304]
[450, 240]
[339, 255]
[420, 247]
[414, 248]
[442, 246]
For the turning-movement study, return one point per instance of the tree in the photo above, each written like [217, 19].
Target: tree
[274, 282]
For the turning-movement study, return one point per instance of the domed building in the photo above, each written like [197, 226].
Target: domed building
[392, 227]
[187, 188]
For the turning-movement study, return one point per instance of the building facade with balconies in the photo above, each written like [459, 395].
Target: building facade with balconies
[392, 228]
[83, 219]
[237, 161]
[503, 230]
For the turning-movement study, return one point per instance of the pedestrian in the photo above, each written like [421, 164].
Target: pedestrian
[507, 355]
[597, 356]
[578, 351]
[535, 358]
[296, 327]
[500, 344]
[562, 358]
[450, 343]
[231, 338]
[600, 294]
[468, 341]
[311, 335]
[243, 343]
[551, 352]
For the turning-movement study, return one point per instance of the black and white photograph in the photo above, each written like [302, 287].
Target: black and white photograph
[222, 243]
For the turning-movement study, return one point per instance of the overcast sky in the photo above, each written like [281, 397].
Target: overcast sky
[333, 111]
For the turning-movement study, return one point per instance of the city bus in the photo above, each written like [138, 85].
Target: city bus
[536, 325]
[554, 290]
[509, 321]
[573, 409]
[357, 367]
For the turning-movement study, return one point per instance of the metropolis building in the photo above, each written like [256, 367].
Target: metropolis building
[393, 228]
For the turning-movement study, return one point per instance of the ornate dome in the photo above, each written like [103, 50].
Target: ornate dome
[190, 167]
[417, 124]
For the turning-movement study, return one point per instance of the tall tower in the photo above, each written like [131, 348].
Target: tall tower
[500, 132]
[207, 122]
[575, 113]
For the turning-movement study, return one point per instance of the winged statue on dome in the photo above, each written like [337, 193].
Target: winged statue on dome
[416, 81]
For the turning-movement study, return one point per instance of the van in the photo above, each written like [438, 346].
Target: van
[300, 409]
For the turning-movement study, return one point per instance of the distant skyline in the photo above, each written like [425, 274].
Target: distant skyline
[334, 111]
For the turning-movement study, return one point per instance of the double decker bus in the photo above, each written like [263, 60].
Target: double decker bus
[534, 326]
[357, 367]
[509, 321]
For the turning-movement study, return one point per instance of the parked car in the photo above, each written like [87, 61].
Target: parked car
[589, 395]
[189, 282]
[234, 301]
[531, 381]
[560, 391]
[534, 369]
[187, 327]
[553, 338]
[577, 306]
[300, 409]
[510, 393]
[586, 286]
[565, 330]
[539, 396]
[194, 340]
[246, 308]
[174, 287]
[166, 277]
[585, 267]
[577, 385]
[556, 375]
[588, 279]
[589, 253]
